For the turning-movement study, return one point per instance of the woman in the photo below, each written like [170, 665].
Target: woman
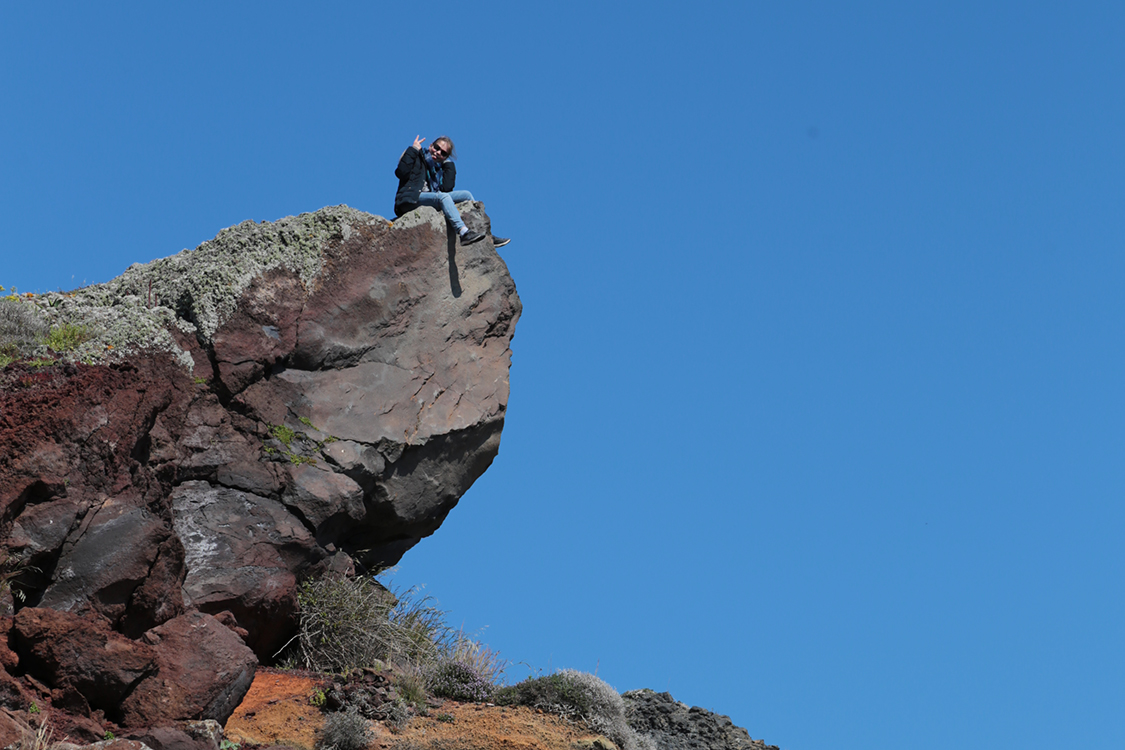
[425, 178]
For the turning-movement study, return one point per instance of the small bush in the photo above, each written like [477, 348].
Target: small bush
[578, 696]
[398, 716]
[480, 657]
[555, 693]
[347, 623]
[22, 326]
[352, 623]
[345, 730]
[342, 624]
[66, 337]
[460, 681]
[410, 684]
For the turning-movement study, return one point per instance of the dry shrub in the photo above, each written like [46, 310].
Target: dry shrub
[22, 327]
[481, 658]
[34, 738]
[343, 624]
[351, 623]
[460, 682]
[348, 623]
[578, 696]
[345, 730]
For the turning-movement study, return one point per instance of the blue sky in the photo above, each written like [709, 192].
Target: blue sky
[816, 414]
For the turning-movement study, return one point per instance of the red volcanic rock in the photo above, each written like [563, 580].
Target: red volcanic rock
[12, 693]
[204, 670]
[86, 662]
[291, 397]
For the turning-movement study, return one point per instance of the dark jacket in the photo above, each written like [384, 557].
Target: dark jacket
[411, 174]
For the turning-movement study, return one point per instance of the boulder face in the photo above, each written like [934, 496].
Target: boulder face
[292, 397]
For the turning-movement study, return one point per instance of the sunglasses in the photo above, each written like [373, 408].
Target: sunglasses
[439, 149]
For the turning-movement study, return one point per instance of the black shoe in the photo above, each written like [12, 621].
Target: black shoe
[470, 237]
[499, 241]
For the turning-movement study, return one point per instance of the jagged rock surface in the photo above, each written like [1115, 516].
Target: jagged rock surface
[674, 726]
[289, 398]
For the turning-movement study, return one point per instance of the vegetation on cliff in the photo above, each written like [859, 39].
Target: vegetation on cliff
[351, 623]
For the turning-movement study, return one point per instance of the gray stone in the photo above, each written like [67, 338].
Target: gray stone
[242, 553]
[325, 499]
[105, 559]
[674, 726]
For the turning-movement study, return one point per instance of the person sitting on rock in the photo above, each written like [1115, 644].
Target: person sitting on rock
[425, 178]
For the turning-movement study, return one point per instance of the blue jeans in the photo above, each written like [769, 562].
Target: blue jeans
[445, 202]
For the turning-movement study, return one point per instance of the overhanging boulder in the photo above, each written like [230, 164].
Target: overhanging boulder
[291, 396]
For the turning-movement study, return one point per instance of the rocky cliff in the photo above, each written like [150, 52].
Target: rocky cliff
[200, 435]
[292, 397]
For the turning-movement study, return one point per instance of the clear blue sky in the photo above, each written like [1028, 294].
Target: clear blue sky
[817, 411]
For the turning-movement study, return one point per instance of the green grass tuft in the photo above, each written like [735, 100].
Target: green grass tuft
[66, 337]
[283, 433]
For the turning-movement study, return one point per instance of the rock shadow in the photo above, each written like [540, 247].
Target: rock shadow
[454, 278]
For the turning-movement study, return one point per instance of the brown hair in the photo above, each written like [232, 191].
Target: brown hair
[448, 145]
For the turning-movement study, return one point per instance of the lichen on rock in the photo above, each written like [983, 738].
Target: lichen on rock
[196, 291]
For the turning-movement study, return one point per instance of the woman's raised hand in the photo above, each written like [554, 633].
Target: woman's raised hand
[418, 142]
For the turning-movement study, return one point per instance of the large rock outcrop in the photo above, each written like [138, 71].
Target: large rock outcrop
[289, 398]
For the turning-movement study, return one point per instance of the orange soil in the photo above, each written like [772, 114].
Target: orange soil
[277, 711]
[479, 727]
